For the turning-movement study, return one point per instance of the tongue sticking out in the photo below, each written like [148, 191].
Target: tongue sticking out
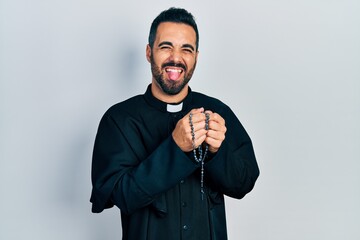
[174, 75]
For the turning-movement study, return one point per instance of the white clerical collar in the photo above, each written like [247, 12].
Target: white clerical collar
[174, 107]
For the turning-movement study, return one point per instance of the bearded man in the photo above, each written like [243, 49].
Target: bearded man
[166, 158]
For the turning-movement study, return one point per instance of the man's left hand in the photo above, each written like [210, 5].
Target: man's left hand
[216, 133]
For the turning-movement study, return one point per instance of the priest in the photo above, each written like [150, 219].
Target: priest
[167, 157]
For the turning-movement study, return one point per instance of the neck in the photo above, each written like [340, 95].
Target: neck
[159, 94]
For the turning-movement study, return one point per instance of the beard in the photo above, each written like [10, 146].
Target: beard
[168, 86]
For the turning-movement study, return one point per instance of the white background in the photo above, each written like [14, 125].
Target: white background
[290, 70]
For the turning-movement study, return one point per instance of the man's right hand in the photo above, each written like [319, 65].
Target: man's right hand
[182, 132]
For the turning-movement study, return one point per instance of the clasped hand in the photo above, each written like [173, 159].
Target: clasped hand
[214, 136]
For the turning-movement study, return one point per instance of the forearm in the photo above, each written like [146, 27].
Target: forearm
[129, 174]
[162, 170]
[233, 171]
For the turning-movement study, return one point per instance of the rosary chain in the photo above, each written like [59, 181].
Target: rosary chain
[201, 157]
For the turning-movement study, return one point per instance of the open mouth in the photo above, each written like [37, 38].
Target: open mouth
[174, 73]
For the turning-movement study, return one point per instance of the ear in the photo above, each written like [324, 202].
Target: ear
[148, 53]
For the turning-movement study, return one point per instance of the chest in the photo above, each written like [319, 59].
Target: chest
[146, 132]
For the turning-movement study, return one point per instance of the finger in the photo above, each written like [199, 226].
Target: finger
[198, 117]
[216, 135]
[199, 137]
[213, 125]
[200, 140]
[199, 134]
[214, 139]
[199, 125]
[213, 143]
[197, 110]
[217, 118]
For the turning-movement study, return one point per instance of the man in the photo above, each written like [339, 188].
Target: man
[167, 157]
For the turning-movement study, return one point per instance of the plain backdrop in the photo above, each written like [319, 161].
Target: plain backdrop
[290, 70]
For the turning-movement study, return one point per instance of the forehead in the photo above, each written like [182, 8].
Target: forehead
[176, 33]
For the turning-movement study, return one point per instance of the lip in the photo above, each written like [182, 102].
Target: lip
[174, 69]
[174, 73]
[173, 65]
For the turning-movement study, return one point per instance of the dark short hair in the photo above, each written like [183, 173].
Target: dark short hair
[176, 15]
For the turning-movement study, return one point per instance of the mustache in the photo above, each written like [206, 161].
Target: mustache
[174, 64]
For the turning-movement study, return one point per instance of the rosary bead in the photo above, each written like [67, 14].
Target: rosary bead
[202, 156]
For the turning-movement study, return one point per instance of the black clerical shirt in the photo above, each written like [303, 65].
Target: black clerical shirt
[138, 167]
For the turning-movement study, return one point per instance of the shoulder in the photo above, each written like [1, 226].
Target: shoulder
[126, 107]
[210, 103]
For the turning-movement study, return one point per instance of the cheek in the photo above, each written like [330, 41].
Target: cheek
[156, 60]
[191, 62]
[161, 54]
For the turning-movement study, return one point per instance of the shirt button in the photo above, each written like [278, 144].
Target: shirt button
[183, 204]
[185, 227]
[182, 181]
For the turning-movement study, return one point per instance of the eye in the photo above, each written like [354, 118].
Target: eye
[165, 47]
[188, 50]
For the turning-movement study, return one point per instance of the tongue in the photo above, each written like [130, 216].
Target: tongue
[173, 75]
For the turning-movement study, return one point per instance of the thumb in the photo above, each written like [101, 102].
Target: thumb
[197, 110]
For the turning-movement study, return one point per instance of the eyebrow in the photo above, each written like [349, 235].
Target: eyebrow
[186, 45]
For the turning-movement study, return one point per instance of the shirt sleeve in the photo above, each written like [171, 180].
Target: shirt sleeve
[233, 170]
[120, 178]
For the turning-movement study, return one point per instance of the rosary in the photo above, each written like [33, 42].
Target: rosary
[202, 155]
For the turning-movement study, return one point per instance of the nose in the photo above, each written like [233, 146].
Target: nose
[176, 55]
